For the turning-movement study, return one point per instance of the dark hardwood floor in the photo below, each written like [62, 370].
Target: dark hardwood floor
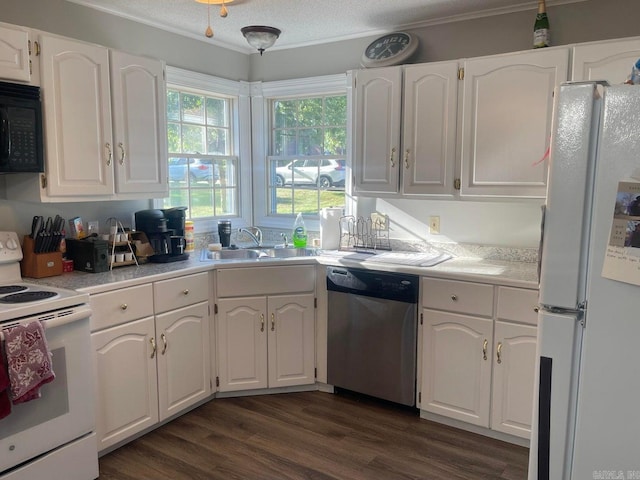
[311, 435]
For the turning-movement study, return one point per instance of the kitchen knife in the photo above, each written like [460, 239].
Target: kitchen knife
[36, 229]
[46, 245]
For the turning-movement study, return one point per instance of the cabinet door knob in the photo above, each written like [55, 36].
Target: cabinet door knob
[454, 297]
[262, 322]
[152, 341]
[485, 345]
[124, 306]
[499, 352]
[273, 322]
[406, 158]
[536, 309]
[186, 291]
[392, 159]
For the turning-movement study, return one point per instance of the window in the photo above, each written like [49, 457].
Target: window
[204, 154]
[202, 169]
[301, 160]
[308, 154]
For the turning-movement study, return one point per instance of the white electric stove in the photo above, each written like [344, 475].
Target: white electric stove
[52, 436]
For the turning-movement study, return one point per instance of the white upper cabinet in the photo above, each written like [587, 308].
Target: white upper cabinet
[429, 128]
[14, 53]
[507, 107]
[139, 124]
[104, 122]
[378, 96]
[610, 61]
[77, 116]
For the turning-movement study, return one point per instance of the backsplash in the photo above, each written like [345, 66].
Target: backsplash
[487, 252]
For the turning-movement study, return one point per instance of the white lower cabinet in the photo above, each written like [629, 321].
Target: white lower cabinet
[268, 340]
[478, 361]
[149, 369]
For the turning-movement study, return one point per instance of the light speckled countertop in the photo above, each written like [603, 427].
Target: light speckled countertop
[510, 273]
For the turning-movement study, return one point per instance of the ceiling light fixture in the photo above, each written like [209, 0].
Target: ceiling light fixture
[223, 13]
[260, 37]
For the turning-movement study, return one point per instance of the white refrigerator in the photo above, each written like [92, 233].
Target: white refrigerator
[586, 419]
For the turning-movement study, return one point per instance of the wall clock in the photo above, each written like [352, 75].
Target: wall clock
[390, 49]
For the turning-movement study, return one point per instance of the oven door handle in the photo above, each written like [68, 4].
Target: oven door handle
[79, 313]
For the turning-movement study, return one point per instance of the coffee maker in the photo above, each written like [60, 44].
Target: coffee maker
[165, 231]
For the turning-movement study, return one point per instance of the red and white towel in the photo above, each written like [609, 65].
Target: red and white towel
[28, 361]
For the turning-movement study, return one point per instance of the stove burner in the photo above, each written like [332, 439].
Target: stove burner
[27, 297]
[4, 289]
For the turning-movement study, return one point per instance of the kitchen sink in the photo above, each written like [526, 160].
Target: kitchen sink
[238, 254]
[289, 252]
[262, 253]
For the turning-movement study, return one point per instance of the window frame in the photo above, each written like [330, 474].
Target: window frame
[240, 121]
[263, 93]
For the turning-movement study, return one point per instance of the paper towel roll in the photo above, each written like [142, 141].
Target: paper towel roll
[330, 228]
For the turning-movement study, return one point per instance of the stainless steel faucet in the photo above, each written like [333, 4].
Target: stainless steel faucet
[284, 237]
[254, 233]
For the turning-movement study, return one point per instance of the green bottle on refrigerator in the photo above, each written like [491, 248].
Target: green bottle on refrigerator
[541, 32]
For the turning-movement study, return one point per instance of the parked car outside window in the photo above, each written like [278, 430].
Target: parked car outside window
[198, 171]
[324, 173]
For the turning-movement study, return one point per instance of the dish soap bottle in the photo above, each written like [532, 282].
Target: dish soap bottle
[299, 232]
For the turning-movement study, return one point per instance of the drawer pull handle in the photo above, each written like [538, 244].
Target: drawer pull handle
[273, 322]
[164, 343]
[124, 306]
[454, 297]
[484, 349]
[153, 347]
[123, 155]
[262, 322]
[107, 146]
[499, 352]
[406, 159]
[186, 291]
[393, 153]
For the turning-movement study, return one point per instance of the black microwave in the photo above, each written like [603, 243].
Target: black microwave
[21, 146]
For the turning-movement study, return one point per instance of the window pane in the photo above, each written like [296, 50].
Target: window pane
[285, 142]
[178, 168]
[335, 110]
[193, 108]
[335, 141]
[310, 141]
[173, 105]
[284, 113]
[193, 139]
[216, 112]
[177, 198]
[217, 141]
[310, 112]
[201, 200]
[173, 137]
[225, 202]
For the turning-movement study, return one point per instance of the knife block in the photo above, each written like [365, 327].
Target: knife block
[39, 265]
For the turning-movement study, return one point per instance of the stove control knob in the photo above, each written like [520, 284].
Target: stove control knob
[11, 244]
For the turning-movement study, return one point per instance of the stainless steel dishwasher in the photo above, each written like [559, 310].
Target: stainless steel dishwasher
[372, 331]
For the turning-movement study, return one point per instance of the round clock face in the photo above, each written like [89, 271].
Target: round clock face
[389, 49]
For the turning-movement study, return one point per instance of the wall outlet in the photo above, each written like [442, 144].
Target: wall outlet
[434, 225]
[379, 221]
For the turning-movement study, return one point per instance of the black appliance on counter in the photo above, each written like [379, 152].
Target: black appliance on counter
[88, 254]
[168, 243]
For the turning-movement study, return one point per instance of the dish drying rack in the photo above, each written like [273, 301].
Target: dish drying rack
[364, 233]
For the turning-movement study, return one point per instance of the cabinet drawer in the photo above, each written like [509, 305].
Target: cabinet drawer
[236, 282]
[180, 292]
[454, 296]
[120, 306]
[518, 304]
